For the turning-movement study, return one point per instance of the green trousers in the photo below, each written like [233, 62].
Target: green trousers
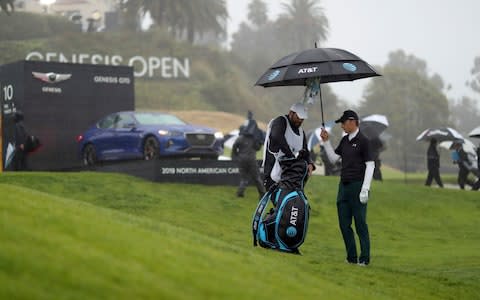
[349, 207]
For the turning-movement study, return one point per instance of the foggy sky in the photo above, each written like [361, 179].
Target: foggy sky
[441, 32]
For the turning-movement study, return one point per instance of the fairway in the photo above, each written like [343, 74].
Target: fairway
[108, 236]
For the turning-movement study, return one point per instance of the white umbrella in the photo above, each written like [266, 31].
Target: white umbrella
[468, 146]
[475, 133]
[373, 125]
[9, 154]
[440, 134]
[376, 118]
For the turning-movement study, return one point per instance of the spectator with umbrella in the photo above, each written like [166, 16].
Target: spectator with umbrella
[433, 164]
[465, 166]
[434, 136]
[475, 133]
[372, 126]
[377, 146]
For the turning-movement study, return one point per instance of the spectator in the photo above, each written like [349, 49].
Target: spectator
[244, 153]
[465, 166]
[433, 164]
[20, 137]
[377, 146]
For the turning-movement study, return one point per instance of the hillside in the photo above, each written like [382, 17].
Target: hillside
[210, 78]
[223, 121]
[106, 236]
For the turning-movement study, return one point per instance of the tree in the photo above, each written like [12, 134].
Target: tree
[298, 29]
[7, 6]
[464, 114]
[475, 82]
[412, 101]
[189, 19]
[257, 13]
[303, 24]
[258, 47]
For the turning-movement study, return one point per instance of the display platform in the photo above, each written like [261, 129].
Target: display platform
[209, 172]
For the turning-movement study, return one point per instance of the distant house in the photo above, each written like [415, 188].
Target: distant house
[92, 15]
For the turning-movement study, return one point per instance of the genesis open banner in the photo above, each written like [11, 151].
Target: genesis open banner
[164, 67]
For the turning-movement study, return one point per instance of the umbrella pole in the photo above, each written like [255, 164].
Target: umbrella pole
[321, 104]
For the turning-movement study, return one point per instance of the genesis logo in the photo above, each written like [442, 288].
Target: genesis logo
[273, 75]
[51, 77]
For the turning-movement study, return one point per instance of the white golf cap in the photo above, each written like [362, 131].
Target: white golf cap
[300, 109]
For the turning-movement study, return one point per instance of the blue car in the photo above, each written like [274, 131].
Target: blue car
[148, 136]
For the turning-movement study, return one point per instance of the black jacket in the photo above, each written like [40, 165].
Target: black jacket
[278, 142]
[244, 148]
[20, 134]
[433, 159]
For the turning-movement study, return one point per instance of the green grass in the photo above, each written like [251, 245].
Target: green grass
[107, 236]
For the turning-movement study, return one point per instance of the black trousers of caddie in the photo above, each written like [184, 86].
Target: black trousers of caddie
[349, 207]
[249, 172]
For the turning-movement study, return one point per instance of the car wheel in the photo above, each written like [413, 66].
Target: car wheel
[89, 155]
[151, 149]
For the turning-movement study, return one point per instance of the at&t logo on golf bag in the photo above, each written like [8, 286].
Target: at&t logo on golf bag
[284, 227]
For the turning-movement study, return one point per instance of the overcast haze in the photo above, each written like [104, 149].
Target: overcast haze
[443, 33]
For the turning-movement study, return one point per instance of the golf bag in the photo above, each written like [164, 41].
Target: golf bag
[285, 226]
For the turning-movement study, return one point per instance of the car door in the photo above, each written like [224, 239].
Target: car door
[103, 138]
[127, 136]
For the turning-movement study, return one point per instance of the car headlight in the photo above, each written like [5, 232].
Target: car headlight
[163, 132]
[169, 133]
[219, 135]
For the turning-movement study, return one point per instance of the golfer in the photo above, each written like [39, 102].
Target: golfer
[353, 190]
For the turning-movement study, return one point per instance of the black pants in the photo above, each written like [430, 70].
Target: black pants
[377, 172]
[349, 207]
[433, 173]
[249, 173]
[19, 161]
[463, 178]
[476, 185]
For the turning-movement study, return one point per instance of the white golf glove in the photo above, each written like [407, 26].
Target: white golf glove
[364, 196]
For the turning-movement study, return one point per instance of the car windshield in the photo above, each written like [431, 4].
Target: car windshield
[157, 119]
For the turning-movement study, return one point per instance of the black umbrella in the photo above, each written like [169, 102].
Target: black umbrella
[323, 64]
[373, 125]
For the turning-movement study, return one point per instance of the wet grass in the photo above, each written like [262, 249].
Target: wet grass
[107, 236]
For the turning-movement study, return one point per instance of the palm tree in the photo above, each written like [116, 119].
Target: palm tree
[187, 18]
[474, 84]
[304, 23]
[257, 13]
